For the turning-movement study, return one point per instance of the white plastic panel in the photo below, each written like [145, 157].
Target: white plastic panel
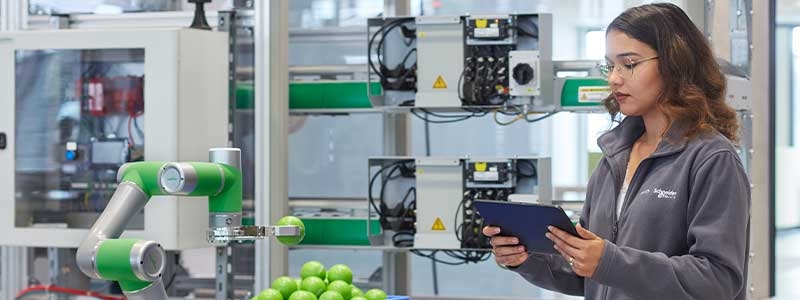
[185, 105]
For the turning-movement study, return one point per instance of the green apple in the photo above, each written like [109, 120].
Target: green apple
[313, 268]
[286, 285]
[375, 294]
[355, 292]
[340, 272]
[313, 285]
[269, 294]
[302, 295]
[343, 288]
[292, 240]
[331, 295]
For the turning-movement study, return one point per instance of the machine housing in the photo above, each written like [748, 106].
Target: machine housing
[79, 103]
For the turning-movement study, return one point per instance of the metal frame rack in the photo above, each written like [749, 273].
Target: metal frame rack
[271, 84]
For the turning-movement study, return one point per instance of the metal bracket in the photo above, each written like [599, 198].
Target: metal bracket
[221, 236]
[59, 21]
[226, 23]
[224, 273]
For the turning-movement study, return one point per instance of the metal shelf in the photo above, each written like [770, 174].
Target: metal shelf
[376, 248]
[408, 109]
[335, 111]
[355, 248]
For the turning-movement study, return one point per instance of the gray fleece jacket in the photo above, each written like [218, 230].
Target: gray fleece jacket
[683, 230]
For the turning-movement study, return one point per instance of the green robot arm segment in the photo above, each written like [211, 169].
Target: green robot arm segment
[229, 200]
[138, 265]
[99, 255]
[220, 182]
[142, 174]
[135, 264]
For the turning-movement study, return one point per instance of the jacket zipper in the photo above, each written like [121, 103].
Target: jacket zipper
[617, 184]
[625, 204]
[628, 197]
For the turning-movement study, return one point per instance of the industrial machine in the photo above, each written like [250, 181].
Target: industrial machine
[471, 60]
[79, 104]
[477, 63]
[138, 265]
[426, 202]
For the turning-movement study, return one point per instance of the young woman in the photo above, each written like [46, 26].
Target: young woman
[667, 209]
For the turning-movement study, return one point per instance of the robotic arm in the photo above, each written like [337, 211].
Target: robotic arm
[138, 264]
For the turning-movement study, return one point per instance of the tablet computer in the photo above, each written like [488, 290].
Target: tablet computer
[526, 221]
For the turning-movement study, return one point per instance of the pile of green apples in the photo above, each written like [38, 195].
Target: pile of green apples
[317, 283]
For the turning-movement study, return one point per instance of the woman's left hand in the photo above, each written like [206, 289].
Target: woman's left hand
[582, 253]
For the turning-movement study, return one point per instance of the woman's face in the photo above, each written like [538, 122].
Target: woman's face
[635, 80]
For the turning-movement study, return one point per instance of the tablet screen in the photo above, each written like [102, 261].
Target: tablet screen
[526, 221]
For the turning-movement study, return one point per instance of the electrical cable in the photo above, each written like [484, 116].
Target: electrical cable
[411, 190]
[408, 242]
[540, 118]
[54, 289]
[399, 79]
[369, 49]
[511, 110]
[394, 166]
[131, 143]
[435, 277]
[473, 114]
[389, 28]
[138, 129]
[467, 194]
[405, 238]
[427, 137]
[439, 121]
[432, 256]
[447, 118]
[521, 116]
[383, 190]
[381, 68]
[501, 123]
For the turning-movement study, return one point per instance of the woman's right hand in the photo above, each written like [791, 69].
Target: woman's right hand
[507, 250]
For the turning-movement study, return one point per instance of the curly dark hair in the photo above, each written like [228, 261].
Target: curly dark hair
[693, 85]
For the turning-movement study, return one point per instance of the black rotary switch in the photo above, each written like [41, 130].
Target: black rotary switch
[522, 73]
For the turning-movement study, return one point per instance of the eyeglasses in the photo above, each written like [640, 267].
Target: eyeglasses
[627, 73]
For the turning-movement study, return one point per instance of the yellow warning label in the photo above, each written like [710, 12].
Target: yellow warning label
[593, 94]
[480, 166]
[481, 23]
[438, 225]
[440, 84]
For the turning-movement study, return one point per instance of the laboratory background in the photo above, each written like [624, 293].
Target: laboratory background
[333, 149]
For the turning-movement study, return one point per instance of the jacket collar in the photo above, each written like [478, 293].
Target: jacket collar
[631, 128]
